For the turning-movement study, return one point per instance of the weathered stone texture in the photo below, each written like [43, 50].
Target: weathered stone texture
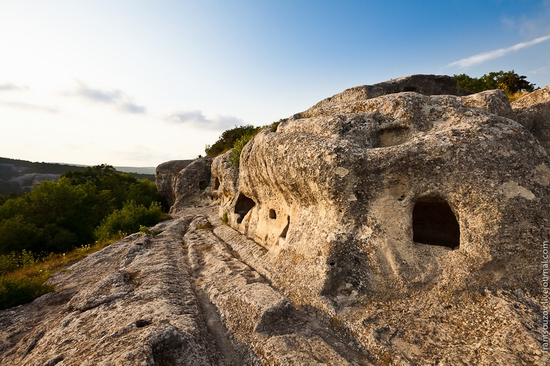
[337, 204]
[492, 101]
[165, 177]
[129, 304]
[184, 182]
[423, 84]
[177, 298]
[405, 199]
[533, 111]
[191, 184]
[224, 183]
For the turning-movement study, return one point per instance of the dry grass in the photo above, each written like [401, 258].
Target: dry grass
[26, 283]
[516, 96]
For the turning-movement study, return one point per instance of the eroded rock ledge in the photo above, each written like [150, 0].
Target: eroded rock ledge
[400, 223]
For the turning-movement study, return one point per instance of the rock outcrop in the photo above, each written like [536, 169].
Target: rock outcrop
[224, 185]
[396, 224]
[182, 182]
[422, 84]
[533, 112]
[367, 198]
[191, 182]
[391, 195]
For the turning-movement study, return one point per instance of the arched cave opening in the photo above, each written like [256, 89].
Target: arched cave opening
[272, 214]
[202, 185]
[216, 184]
[435, 223]
[409, 88]
[243, 206]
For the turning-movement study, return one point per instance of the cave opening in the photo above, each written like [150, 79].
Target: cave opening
[243, 206]
[435, 223]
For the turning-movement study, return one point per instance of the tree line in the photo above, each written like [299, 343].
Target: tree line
[508, 81]
[82, 207]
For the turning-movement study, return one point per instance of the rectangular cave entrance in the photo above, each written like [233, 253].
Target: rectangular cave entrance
[243, 206]
[435, 223]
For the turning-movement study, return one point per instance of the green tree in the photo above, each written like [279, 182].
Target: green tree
[55, 216]
[508, 81]
[59, 216]
[121, 187]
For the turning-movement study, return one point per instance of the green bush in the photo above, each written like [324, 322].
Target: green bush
[9, 262]
[128, 220]
[228, 139]
[16, 291]
[12, 261]
[235, 157]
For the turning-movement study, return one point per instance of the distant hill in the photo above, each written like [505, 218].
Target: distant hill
[17, 176]
[142, 170]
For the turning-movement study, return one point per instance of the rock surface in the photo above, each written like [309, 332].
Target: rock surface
[397, 229]
[177, 298]
[191, 182]
[533, 112]
[393, 195]
[366, 199]
[166, 175]
[422, 84]
[183, 182]
[225, 182]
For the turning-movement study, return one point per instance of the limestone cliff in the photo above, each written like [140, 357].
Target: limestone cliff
[394, 224]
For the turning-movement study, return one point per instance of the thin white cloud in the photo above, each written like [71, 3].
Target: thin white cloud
[540, 70]
[530, 26]
[115, 97]
[28, 106]
[11, 86]
[130, 107]
[98, 95]
[486, 56]
[196, 118]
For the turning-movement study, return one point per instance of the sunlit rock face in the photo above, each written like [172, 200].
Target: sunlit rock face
[394, 194]
[183, 182]
[191, 183]
[224, 184]
[166, 175]
[533, 111]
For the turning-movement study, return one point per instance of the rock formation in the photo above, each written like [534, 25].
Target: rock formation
[401, 223]
[533, 112]
[191, 182]
[166, 175]
[365, 198]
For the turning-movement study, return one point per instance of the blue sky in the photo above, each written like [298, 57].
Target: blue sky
[142, 82]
